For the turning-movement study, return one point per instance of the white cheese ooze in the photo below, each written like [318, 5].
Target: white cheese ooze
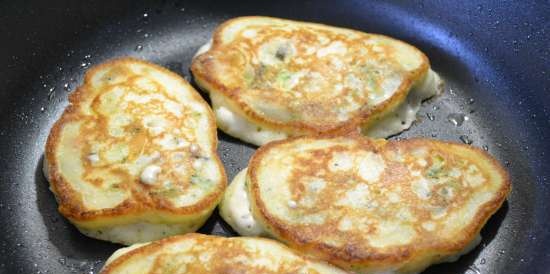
[93, 158]
[405, 114]
[149, 174]
[204, 48]
[238, 126]
[235, 208]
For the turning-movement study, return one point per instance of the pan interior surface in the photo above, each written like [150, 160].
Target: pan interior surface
[494, 58]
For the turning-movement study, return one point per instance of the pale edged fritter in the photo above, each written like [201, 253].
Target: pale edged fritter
[198, 253]
[368, 205]
[271, 78]
[133, 157]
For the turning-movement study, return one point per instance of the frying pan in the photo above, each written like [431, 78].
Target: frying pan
[494, 57]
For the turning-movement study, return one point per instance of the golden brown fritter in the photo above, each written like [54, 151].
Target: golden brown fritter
[133, 157]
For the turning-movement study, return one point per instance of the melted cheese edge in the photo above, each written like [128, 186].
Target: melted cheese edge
[204, 48]
[235, 210]
[238, 126]
[405, 114]
[141, 232]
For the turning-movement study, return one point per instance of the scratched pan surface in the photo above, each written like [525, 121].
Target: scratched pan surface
[494, 57]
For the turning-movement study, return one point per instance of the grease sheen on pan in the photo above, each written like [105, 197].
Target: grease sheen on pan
[133, 157]
[271, 78]
[368, 205]
[197, 253]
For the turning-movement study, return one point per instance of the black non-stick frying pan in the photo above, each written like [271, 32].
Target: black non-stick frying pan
[494, 57]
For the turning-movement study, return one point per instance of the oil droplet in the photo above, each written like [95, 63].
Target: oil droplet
[430, 116]
[435, 108]
[66, 86]
[483, 261]
[486, 148]
[51, 93]
[457, 118]
[145, 15]
[84, 64]
[146, 35]
[182, 9]
[471, 101]
[465, 139]
[138, 48]
[42, 109]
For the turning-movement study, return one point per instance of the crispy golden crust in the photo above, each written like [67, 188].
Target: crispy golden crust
[141, 203]
[321, 117]
[197, 253]
[358, 249]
